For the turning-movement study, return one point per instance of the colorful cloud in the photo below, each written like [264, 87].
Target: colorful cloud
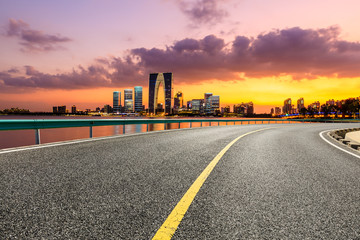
[203, 11]
[33, 40]
[300, 53]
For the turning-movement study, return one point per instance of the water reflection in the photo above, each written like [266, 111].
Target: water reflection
[18, 138]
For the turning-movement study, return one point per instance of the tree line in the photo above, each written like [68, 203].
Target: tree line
[350, 107]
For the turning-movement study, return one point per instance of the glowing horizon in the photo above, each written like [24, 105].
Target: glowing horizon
[210, 46]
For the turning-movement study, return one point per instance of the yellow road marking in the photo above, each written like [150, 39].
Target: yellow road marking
[167, 230]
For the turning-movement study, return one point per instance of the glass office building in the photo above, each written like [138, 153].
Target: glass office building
[138, 98]
[117, 102]
[128, 100]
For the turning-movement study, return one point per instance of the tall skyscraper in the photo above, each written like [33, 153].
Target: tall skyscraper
[128, 100]
[207, 102]
[73, 109]
[166, 79]
[178, 100]
[138, 98]
[287, 106]
[117, 102]
[249, 108]
[300, 104]
[277, 110]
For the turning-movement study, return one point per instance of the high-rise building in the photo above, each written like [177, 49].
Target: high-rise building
[197, 105]
[128, 94]
[315, 106]
[138, 98]
[249, 108]
[178, 100]
[238, 108]
[207, 103]
[62, 109]
[117, 102]
[107, 108]
[55, 109]
[277, 110]
[300, 104]
[287, 106]
[246, 109]
[225, 109]
[128, 100]
[189, 105]
[214, 102]
[73, 109]
[155, 80]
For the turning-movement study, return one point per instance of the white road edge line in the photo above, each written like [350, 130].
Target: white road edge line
[321, 135]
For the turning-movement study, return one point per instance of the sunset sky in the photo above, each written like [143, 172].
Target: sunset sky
[80, 51]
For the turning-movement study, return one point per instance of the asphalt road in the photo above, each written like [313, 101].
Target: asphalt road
[281, 183]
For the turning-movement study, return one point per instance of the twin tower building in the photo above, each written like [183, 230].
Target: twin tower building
[155, 80]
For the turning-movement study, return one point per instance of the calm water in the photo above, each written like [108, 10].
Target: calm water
[17, 138]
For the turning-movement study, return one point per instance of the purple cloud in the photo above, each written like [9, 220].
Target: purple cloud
[33, 40]
[202, 11]
[301, 53]
[13, 70]
[113, 72]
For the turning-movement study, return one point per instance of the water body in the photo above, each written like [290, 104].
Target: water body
[18, 138]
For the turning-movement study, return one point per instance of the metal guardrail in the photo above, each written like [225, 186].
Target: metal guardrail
[38, 124]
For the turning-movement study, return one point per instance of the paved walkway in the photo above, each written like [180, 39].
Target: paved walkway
[353, 136]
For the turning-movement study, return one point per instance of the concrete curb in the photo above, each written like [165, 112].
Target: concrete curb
[349, 137]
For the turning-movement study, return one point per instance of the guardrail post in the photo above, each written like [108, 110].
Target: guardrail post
[37, 136]
[179, 125]
[164, 126]
[241, 123]
[209, 124]
[91, 132]
[200, 124]
[218, 123]
[124, 129]
[190, 124]
[226, 123]
[234, 122]
[147, 127]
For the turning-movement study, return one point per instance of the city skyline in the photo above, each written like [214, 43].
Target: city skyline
[244, 51]
[209, 105]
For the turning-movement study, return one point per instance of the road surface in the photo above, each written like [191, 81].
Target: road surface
[284, 182]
